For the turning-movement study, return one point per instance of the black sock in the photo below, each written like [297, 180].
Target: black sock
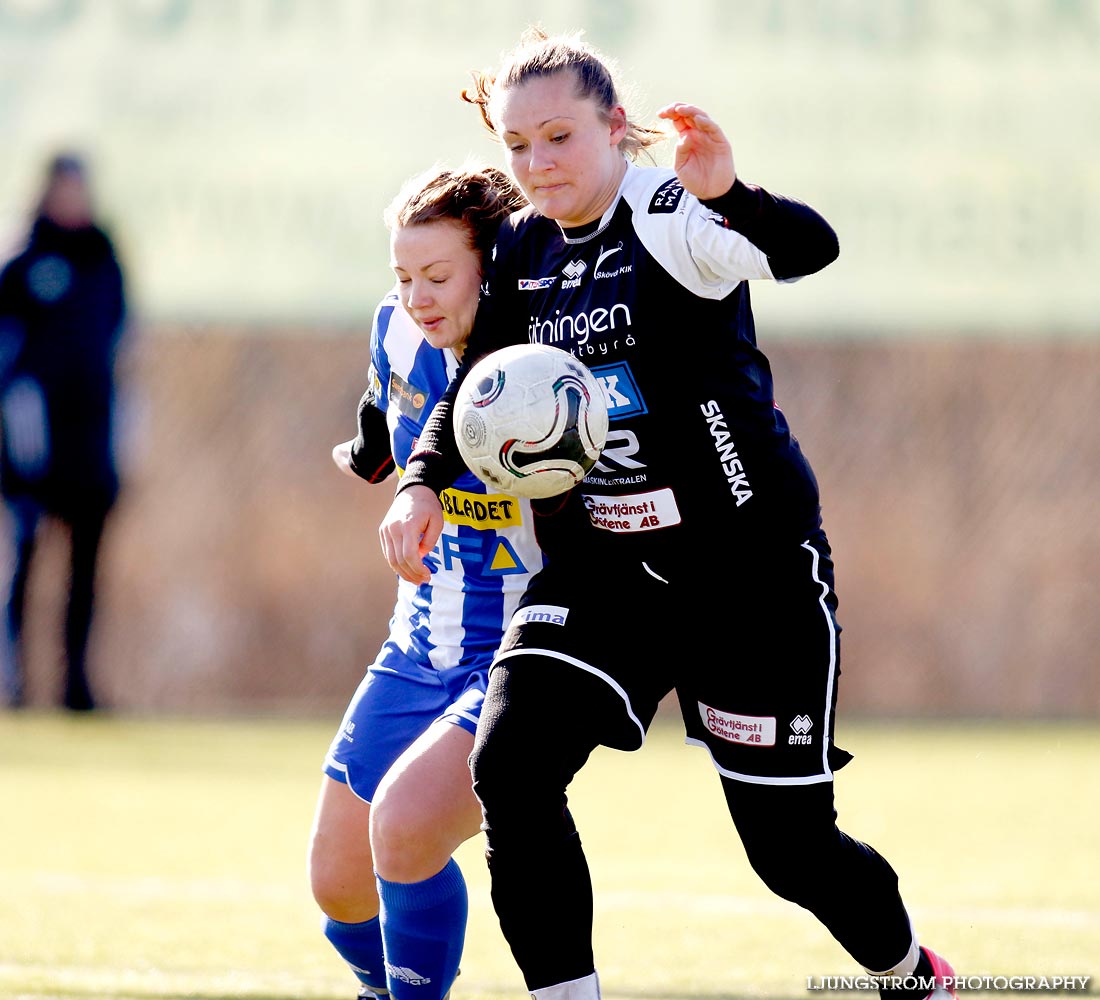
[544, 901]
[916, 986]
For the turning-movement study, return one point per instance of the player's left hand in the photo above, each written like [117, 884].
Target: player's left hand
[704, 157]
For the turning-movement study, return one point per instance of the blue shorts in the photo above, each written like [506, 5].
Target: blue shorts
[395, 703]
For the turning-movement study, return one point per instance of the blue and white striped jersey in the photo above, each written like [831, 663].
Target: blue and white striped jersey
[487, 551]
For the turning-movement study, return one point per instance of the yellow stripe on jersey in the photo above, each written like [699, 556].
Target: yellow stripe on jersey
[482, 511]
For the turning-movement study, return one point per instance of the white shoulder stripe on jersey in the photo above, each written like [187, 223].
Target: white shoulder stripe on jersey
[401, 342]
[703, 256]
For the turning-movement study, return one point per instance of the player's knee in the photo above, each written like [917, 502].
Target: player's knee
[789, 875]
[518, 787]
[342, 894]
[388, 842]
[502, 739]
[789, 835]
[326, 889]
[340, 868]
[410, 841]
[495, 767]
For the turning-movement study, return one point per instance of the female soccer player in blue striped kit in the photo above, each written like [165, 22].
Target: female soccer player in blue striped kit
[691, 558]
[396, 798]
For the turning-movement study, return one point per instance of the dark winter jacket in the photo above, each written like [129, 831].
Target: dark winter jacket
[62, 312]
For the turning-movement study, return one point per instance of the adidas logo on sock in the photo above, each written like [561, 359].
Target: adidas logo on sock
[407, 975]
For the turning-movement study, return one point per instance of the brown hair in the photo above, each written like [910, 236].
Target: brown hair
[475, 195]
[539, 54]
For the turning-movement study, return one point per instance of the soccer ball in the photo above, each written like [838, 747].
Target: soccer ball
[530, 420]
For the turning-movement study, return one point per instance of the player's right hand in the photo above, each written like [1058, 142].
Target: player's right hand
[409, 532]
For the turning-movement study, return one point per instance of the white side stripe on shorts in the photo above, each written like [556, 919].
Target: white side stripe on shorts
[826, 773]
[588, 668]
[828, 712]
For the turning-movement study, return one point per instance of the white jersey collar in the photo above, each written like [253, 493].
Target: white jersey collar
[605, 219]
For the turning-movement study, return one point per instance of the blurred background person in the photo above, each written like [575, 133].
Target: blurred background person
[62, 316]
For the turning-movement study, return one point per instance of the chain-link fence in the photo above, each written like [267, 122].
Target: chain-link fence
[241, 571]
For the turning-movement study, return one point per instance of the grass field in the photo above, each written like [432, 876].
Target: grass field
[157, 859]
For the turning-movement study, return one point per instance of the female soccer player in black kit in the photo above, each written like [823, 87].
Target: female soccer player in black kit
[691, 558]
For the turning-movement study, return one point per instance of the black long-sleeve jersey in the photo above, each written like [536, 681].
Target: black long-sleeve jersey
[653, 297]
[371, 454]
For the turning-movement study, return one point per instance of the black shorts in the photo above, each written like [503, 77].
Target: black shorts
[751, 649]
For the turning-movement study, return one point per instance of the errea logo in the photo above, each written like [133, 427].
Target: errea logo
[573, 271]
[801, 724]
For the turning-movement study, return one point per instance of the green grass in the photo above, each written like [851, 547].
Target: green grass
[156, 859]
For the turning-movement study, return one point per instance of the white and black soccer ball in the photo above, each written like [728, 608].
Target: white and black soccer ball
[530, 420]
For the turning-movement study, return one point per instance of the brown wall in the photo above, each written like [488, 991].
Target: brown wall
[241, 571]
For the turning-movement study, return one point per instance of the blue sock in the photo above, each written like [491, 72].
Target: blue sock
[360, 945]
[423, 927]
